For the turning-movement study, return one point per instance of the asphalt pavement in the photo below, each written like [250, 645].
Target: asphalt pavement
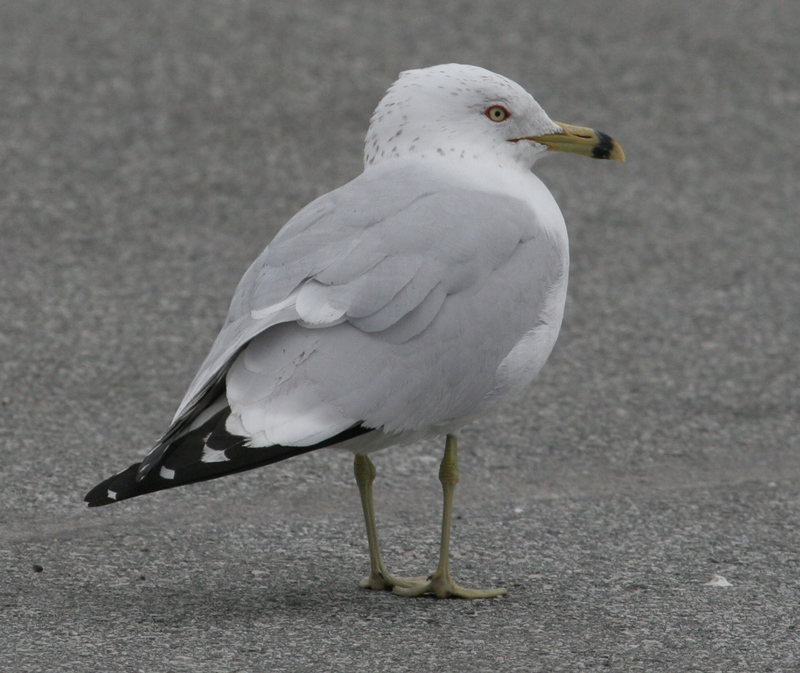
[149, 150]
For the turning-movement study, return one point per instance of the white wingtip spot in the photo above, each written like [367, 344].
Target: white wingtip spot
[112, 495]
[166, 473]
[213, 456]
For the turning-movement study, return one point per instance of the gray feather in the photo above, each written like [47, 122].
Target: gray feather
[368, 279]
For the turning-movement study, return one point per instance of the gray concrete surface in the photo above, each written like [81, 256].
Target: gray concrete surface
[149, 150]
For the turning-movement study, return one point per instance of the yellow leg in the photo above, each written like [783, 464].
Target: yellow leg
[440, 583]
[379, 577]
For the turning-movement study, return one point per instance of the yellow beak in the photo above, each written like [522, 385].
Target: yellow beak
[581, 140]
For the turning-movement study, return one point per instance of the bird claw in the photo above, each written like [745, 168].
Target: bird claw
[445, 588]
[384, 581]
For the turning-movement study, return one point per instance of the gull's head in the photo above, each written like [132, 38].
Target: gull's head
[468, 113]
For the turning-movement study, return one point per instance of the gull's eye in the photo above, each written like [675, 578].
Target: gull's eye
[497, 113]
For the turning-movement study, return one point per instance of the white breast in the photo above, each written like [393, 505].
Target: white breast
[527, 358]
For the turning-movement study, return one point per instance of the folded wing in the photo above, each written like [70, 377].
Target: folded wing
[391, 317]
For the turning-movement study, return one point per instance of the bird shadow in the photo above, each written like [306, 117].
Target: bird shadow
[322, 599]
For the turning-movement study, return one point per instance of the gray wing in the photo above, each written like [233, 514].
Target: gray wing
[354, 311]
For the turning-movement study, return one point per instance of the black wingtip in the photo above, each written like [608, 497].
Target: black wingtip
[119, 487]
[185, 463]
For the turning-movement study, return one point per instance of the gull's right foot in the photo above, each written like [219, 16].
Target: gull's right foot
[383, 580]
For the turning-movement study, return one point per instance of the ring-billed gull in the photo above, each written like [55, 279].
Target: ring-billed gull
[400, 306]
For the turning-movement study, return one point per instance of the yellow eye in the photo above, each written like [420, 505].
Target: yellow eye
[497, 113]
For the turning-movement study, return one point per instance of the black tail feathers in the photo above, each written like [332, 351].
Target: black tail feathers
[207, 452]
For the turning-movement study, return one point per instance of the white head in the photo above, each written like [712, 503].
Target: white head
[465, 112]
[458, 111]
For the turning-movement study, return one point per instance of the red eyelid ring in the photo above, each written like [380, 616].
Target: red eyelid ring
[488, 113]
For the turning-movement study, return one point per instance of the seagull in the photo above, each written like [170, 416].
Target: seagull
[400, 306]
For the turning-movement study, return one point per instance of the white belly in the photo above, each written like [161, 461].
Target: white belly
[525, 360]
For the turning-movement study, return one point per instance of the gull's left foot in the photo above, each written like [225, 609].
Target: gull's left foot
[445, 587]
